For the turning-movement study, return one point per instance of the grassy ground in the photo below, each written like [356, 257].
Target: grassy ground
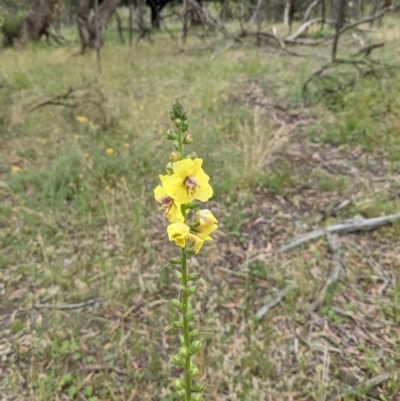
[79, 223]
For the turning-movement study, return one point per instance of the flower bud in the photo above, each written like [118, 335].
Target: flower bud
[196, 347]
[170, 135]
[177, 360]
[185, 126]
[179, 384]
[176, 261]
[178, 110]
[170, 168]
[194, 276]
[197, 397]
[192, 290]
[191, 155]
[198, 388]
[189, 251]
[194, 334]
[188, 139]
[178, 122]
[178, 274]
[183, 352]
[194, 371]
[174, 156]
[177, 325]
[181, 339]
[190, 316]
[182, 394]
[176, 303]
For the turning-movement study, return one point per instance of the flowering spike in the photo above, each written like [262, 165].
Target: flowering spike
[181, 190]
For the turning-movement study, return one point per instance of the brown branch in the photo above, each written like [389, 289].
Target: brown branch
[276, 301]
[348, 226]
[367, 50]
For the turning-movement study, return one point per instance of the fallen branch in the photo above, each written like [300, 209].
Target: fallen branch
[348, 226]
[367, 50]
[368, 386]
[276, 301]
[73, 97]
[68, 306]
[335, 272]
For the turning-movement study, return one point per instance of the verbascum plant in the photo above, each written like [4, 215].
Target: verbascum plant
[179, 195]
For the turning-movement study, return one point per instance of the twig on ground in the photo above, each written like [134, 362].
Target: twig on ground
[97, 368]
[368, 385]
[277, 300]
[335, 272]
[68, 306]
[348, 226]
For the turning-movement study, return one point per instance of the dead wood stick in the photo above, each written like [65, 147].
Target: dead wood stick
[294, 37]
[309, 9]
[278, 299]
[335, 272]
[68, 306]
[348, 226]
[366, 50]
[368, 385]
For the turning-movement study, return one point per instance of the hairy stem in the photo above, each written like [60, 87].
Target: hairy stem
[185, 310]
[180, 142]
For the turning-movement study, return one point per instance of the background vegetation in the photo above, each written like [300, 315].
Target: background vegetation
[83, 315]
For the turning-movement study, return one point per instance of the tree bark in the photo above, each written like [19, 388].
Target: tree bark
[87, 25]
[38, 20]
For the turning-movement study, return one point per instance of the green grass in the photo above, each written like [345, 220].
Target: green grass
[80, 223]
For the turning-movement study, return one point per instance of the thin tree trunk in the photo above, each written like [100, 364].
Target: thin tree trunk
[38, 20]
[131, 22]
[87, 26]
[97, 28]
[339, 24]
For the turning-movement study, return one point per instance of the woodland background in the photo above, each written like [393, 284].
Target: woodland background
[294, 108]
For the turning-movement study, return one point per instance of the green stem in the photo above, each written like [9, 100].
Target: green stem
[180, 142]
[186, 326]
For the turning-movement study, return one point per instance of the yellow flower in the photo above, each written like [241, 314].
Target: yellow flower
[195, 243]
[126, 145]
[178, 232]
[172, 210]
[86, 154]
[205, 218]
[109, 151]
[188, 182]
[15, 169]
[82, 119]
[207, 224]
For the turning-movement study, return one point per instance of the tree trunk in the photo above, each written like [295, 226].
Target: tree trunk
[87, 25]
[38, 20]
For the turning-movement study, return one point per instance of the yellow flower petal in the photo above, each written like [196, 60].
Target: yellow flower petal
[82, 119]
[195, 242]
[205, 218]
[109, 151]
[178, 232]
[172, 210]
[188, 182]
